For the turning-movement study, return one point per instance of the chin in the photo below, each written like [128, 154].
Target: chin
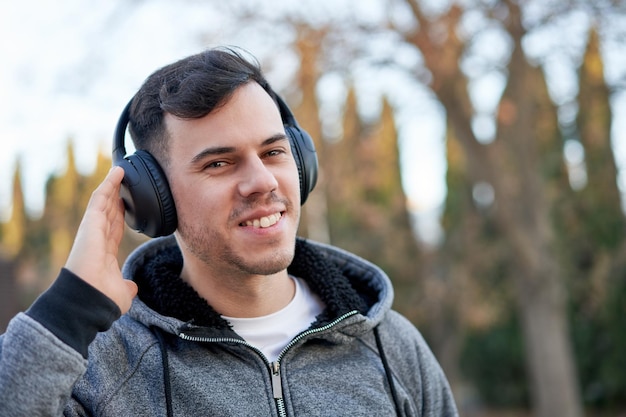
[269, 265]
[277, 260]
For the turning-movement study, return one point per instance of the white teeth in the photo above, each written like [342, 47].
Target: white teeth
[266, 221]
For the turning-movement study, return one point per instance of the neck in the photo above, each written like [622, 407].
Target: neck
[239, 295]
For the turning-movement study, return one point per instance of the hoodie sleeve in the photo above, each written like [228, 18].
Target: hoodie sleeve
[43, 352]
[74, 311]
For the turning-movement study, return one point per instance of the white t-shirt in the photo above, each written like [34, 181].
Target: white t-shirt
[273, 332]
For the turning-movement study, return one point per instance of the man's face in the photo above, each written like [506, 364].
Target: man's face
[236, 187]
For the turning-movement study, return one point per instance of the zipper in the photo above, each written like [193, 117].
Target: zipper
[274, 367]
[277, 389]
[313, 331]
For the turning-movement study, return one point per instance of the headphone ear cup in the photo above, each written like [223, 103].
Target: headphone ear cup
[148, 201]
[303, 149]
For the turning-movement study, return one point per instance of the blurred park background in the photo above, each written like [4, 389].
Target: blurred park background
[475, 150]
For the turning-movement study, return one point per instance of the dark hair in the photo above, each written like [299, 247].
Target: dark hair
[190, 88]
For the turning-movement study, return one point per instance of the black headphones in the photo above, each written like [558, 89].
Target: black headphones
[148, 201]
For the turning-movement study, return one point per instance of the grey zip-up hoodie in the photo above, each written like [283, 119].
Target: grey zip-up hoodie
[173, 355]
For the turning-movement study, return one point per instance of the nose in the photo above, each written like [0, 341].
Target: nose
[257, 178]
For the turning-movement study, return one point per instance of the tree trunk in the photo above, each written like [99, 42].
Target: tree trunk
[549, 357]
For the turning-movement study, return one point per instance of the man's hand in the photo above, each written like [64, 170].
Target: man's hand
[94, 254]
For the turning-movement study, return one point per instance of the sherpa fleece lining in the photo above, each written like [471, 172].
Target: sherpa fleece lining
[162, 289]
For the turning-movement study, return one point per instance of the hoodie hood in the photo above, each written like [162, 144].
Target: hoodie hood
[343, 281]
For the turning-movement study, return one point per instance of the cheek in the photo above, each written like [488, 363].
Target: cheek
[294, 184]
[190, 201]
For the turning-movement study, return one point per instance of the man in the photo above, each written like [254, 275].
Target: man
[234, 314]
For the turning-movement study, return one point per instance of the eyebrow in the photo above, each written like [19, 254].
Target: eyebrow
[221, 150]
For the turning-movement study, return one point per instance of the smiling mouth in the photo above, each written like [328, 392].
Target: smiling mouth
[263, 222]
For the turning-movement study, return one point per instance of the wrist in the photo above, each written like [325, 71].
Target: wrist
[74, 311]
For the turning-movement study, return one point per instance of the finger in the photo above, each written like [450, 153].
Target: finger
[107, 191]
[114, 177]
[117, 224]
[131, 292]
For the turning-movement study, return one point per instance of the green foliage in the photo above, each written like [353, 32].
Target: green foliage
[494, 360]
[600, 343]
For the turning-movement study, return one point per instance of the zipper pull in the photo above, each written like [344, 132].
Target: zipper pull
[277, 387]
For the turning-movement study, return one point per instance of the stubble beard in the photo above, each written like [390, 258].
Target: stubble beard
[199, 245]
[226, 258]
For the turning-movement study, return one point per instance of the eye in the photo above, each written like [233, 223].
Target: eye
[215, 164]
[275, 152]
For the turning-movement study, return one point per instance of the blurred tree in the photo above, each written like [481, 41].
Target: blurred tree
[9, 303]
[367, 205]
[359, 203]
[62, 212]
[593, 231]
[464, 294]
[308, 44]
[602, 216]
[513, 165]
[13, 232]
[12, 236]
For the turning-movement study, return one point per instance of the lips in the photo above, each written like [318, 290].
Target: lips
[263, 222]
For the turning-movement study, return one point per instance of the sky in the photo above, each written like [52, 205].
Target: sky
[70, 66]
[68, 69]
